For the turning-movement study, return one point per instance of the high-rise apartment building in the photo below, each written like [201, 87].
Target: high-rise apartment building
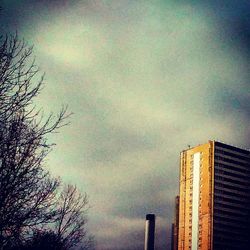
[174, 239]
[214, 203]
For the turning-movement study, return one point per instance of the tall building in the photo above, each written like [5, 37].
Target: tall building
[175, 225]
[214, 203]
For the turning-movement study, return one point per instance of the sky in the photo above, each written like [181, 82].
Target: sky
[144, 80]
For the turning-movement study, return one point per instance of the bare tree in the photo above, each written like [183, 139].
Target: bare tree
[27, 190]
[71, 220]
[17, 88]
[30, 206]
[42, 240]
[68, 230]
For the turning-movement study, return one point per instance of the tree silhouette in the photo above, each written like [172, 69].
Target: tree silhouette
[29, 195]
[27, 190]
[71, 219]
[43, 240]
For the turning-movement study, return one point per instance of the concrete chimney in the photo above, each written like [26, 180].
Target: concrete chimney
[149, 232]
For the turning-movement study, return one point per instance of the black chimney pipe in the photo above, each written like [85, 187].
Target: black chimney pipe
[149, 232]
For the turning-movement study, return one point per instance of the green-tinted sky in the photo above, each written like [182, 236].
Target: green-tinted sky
[144, 79]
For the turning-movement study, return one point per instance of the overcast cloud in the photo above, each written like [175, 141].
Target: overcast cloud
[144, 80]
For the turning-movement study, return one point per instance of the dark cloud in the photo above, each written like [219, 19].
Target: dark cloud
[116, 141]
[144, 80]
[131, 236]
[151, 194]
[16, 14]
[233, 20]
[163, 233]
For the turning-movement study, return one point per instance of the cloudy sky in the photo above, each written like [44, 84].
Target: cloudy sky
[144, 80]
